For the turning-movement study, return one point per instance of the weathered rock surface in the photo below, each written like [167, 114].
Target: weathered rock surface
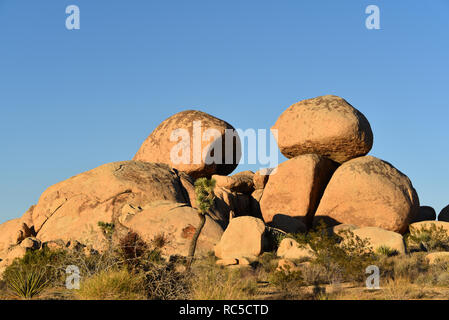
[9, 255]
[294, 190]
[369, 192]
[176, 222]
[326, 125]
[378, 237]
[244, 237]
[186, 150]
[260, 178]
[241, 182]
[430, 224]
[444, 214]
[71, 209]
[291, 249]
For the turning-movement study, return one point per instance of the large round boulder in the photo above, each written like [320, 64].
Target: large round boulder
[193, 142]
[72, 209]
[291, 249]
[294, 189]
[378, 238]
[176, 223]
[326, 125]
[444, 214]
[369, 192]
[244, 237]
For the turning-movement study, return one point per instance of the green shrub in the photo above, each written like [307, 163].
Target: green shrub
[386, 251]
[289, 281]
[344, 256]
[107, 228]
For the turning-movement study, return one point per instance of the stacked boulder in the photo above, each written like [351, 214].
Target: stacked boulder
[328, 176]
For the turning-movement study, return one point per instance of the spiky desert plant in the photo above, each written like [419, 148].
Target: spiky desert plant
[27, 283]
[204, 190]
[386, 251]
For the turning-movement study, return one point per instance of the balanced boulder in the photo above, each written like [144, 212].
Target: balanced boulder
[369, 192]
[425, 213]
[444, 214]
[326, 125]
[295, 187]
[193, 142]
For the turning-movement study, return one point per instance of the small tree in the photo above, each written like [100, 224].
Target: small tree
[204, 190]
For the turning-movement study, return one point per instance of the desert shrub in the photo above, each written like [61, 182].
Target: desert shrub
[159, 241]
[163, 282]
[45, 263]
[429, 238]
[289, 281]
[437, 275]
[402, 267]
[26, 283]
[344, 256]
[267, 262]
[313, 274]
[113, 285]
[401, 289]
[222, 284]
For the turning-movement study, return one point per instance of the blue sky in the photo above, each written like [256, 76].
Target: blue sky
[73, 100]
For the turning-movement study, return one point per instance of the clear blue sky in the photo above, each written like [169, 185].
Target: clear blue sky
[73, 100]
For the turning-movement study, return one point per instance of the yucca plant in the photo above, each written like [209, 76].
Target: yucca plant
[204, 190]
[26, 283]
[386, 251]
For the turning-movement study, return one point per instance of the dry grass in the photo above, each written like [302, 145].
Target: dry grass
[219, 283]
[113, 285]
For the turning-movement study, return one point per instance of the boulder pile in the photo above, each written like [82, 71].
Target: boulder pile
[328, 178]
